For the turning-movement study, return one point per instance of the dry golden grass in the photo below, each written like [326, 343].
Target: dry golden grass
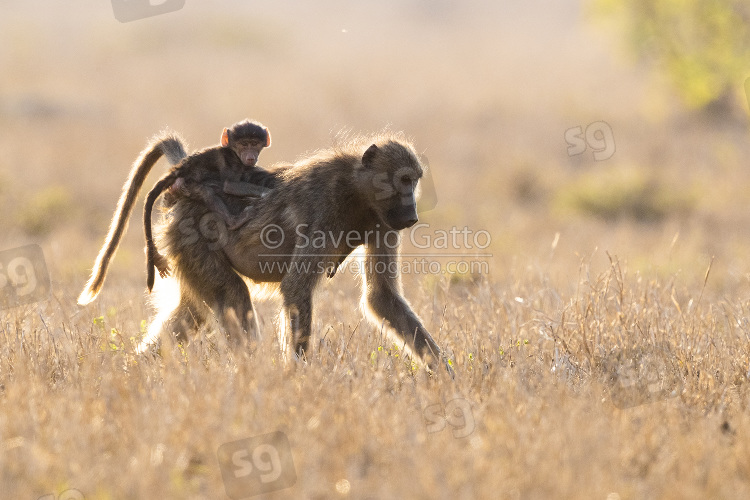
[577, 282]
[82, 411]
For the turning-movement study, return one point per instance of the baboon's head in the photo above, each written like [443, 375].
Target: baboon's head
[393, 172]
[247, 139]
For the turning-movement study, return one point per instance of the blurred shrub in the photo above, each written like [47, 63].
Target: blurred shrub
[526, 185]
[45, 210]
[623, 194]
[704, 46]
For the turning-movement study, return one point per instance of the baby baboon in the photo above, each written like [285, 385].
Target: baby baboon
[231, 165]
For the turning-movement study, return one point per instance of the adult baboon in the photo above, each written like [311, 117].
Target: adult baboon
[360, 193]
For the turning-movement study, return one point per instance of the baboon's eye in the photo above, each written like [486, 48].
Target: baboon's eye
[406, 179]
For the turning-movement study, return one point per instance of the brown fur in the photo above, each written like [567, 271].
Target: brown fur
[362, 189]
[166, 144]
[347, 190]
[214, 176]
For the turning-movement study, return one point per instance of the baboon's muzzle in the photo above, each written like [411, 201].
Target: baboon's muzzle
[402, 217]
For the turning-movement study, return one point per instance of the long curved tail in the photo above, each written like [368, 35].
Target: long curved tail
[166, 144]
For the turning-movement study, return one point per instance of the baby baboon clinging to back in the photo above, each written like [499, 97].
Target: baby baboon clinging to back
[232, 165]
[360, 194]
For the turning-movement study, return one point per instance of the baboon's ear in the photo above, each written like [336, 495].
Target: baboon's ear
[369, 155]
[268, 138]
[225, 138]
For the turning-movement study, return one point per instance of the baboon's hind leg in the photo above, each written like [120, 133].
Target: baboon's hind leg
[224, 292]
[186, 318]
[176, 322]
[235, 309]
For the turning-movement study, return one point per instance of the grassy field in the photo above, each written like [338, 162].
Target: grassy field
[601, 341]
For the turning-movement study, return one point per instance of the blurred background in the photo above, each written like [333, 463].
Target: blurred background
[565, 129]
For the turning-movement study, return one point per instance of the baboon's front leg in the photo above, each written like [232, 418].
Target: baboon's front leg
[396, 312]
[382, 295]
